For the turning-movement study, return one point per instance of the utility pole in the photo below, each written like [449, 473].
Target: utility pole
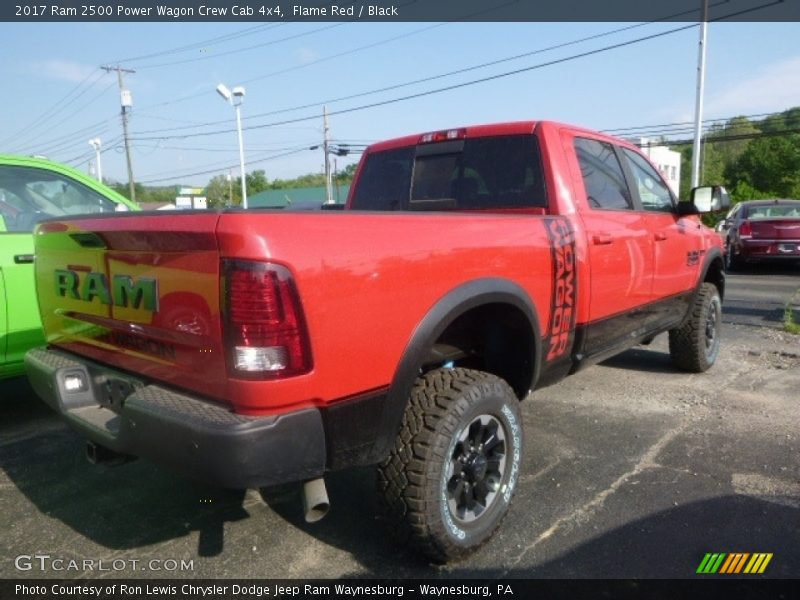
[126, 102]
[698, 113]
[325, 148]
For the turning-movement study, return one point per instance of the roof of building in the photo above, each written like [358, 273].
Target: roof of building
[296, 197]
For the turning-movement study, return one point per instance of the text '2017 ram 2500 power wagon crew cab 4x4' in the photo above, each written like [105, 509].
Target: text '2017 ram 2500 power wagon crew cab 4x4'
[470, 266]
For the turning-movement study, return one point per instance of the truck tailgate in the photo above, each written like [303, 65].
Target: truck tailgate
[138, 292]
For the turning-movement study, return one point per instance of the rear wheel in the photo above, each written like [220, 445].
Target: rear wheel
[449, 479]
[732, 262]
[694, 346]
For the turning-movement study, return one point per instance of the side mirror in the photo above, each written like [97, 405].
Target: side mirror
[705, 199]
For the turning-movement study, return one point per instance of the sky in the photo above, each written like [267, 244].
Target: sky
[56, 98]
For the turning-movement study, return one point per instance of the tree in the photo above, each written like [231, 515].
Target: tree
[346, 175]
[218, 192]
[770, 166]
[717, 156]
[256, 182]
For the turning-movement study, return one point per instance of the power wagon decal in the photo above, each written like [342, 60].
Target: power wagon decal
[562, 302]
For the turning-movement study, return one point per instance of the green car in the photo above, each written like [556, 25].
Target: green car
[33, 189]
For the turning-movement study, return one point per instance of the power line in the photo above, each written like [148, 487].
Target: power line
[88, 154]
[623, 130]
[474, 81]
[442, 89]
[67, 117]
[222, 168]
[66, 144]
[56, 106]
[327, 58]
[237, 50]
[208, 42]
[737, 137]
[199, 44]
[409, 83]
[378, 43]
[87, 130]
[447, 88]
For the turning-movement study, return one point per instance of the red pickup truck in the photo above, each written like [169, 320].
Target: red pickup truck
[251, 349]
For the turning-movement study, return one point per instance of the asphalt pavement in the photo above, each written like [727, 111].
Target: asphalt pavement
[631, 469]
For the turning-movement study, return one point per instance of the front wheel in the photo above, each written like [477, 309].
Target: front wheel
[448, 481]
[694, 346]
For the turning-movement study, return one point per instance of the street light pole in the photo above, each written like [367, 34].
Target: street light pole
[95, 143]
[241, 153]
[237, 93]
[326, 152]
[698, 114]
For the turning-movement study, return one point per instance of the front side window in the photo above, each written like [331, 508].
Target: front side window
[493, 172]
[29, 195]
[602, 175]
[653, 192]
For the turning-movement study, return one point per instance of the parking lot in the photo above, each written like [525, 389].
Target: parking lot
[632, 469]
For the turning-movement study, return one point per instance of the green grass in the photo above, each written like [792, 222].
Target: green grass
[791, 320]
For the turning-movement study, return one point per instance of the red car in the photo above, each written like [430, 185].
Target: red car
[758, 230]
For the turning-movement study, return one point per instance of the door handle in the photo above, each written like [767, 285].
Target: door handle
[660, 236]
[23, 259]
[602, 239]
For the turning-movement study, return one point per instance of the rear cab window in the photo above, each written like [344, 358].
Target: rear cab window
[481, 173]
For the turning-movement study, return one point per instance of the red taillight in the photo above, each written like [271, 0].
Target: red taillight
[265, 331]
[745, 230]
[442, 136]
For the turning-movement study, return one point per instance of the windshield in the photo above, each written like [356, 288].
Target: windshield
[480, 173]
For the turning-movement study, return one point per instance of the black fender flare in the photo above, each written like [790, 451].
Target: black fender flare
[455, 303]
[713, 254]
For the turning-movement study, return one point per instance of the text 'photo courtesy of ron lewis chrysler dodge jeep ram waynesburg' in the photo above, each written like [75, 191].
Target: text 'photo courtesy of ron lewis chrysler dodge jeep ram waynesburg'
[468, 267]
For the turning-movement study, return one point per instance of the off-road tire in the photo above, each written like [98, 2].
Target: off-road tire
[694, 346]
[434, 469]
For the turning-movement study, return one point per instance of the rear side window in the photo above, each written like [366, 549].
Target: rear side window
[602, 175]
[479, 173]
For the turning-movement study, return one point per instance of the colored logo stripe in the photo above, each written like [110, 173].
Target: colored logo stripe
[733, 563]
[711, 563]
[758, 563]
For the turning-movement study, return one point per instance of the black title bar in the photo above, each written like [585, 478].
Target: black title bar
[209, 11]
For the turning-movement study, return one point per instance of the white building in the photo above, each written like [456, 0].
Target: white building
[667, 161]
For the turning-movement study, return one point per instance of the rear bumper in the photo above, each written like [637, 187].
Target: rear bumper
[201, 439]
[756, 250]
